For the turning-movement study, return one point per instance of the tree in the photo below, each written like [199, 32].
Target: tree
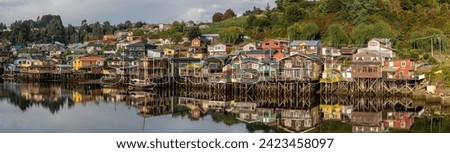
[128, 24]
[72, 34]
[231, 34]
[250, 22]
[364, 32]
[108, 29]
[255, 11]
[193, 32]
[295, 32]
[361, 34]
[97, 30]
[228, 14]
[309, 31]
[302, 31]
[294, 13]
[176, 37]
[337, 35]
[56, 30]
[138, 24]
[358, 11]
[217, 17]
[333, 6]
[138, 32]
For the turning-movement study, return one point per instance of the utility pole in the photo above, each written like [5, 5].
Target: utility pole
[431, 46]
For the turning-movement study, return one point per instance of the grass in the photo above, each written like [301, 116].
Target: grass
[332, 126]
[217, 26]
[425, 125]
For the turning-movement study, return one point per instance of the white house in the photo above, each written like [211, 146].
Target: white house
[382, 46]
[330, 52]
[249, 47]
[217, 49]
[155, 53]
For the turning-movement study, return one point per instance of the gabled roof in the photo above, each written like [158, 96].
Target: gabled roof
[382, 40]
[39, 57]
[254, 60]
[348, 50]
[270, 52]
[235, 53]
[309, 42]
[91, 58]
[212, 58]
[202, 39]
[309, 56]
[382, 54]
[278, 40]
[137, 44]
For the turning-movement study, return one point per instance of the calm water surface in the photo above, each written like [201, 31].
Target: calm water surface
[68, 108]
[33, 108]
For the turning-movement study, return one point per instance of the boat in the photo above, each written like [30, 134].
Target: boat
[141, 83]
[110, 81]
[139, 94]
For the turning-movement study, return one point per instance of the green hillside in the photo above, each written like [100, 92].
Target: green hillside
[415, 26]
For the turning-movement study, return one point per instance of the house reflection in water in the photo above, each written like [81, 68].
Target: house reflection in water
[267, 116]
[336, 111]
[197, 108]
[246, 111]
[298, 120]
[367, 122]
[154, 106]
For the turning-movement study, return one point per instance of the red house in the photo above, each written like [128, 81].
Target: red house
[403, 69]
[274, 44]
[197, 42]
[399, 120]
[278, 56]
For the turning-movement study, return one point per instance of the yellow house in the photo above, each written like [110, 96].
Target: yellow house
[172, 52]
[169, 52]
[87, 61]
[331, 71]
[331, 112]
[77, 97]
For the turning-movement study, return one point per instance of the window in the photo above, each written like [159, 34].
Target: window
[267, 44]
[370, 70]
[288, 64]
[373, 44]
[401, 73]
[299, 63]
[364, 69]
[374, 69]
[255, 66]
[403, 64]
[308, 64]
[275, 44]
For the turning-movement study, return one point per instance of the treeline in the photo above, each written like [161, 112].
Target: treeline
[415, 26]
[49, 28]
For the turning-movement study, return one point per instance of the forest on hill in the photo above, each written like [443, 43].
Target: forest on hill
[415, 26]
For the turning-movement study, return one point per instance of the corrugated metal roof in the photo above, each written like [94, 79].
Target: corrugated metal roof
[309, 42]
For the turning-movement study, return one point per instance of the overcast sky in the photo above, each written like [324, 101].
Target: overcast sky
[117, 11]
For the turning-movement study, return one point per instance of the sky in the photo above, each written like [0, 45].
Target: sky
[118, 11]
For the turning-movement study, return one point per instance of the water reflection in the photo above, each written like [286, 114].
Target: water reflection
[115, 110]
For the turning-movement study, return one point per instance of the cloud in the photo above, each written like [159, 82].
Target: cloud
[117, 11]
